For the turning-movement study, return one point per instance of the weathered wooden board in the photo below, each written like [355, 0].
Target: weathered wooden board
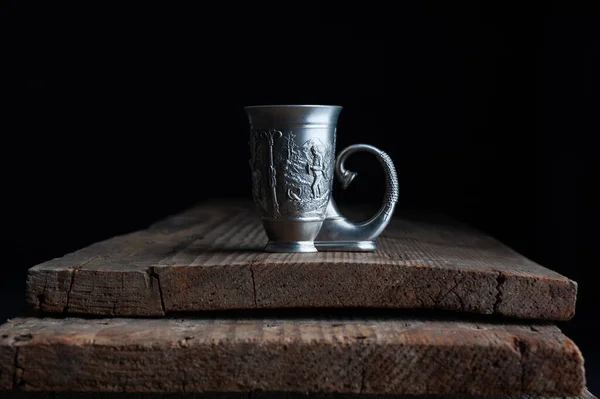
[254, 395]
[322, 354]
[211, 258]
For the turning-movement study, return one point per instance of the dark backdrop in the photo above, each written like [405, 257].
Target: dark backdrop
[118, 114]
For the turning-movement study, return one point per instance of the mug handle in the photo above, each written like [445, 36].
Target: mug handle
[337, 232]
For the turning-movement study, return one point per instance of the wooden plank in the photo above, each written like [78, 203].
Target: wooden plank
[319, 354]
[210, 258]
[114, 277]
[253, 395]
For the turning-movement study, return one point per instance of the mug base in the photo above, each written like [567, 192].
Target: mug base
[294, 246]
[347, 246]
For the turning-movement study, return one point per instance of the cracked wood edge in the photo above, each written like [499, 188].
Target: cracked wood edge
[210, 258]
[124, 266]
[253, 395]
[325, 354]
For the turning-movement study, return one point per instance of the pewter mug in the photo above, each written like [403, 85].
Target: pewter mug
[292, 161]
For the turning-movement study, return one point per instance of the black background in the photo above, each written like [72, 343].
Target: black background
[118, 114]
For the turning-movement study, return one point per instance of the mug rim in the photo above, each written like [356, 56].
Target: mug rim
[293, 106]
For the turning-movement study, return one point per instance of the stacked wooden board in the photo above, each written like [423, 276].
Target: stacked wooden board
[193, 304]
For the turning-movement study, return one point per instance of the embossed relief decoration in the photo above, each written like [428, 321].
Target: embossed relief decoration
[290, 179]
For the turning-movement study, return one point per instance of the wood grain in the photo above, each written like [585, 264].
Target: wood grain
[210, 258]
[321, 354]
[253, 395]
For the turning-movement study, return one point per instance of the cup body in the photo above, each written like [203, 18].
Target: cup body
[292, 156]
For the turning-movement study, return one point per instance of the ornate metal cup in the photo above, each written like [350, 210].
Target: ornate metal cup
[292, 150]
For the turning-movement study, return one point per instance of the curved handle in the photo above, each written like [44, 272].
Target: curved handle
[337, 232]
[391, 178]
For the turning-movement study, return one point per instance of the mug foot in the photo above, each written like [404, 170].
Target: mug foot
[294, 246]
[348, 246]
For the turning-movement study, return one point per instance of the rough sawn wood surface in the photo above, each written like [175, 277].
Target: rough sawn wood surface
[322, 354]
[210, 258]
[253, 395]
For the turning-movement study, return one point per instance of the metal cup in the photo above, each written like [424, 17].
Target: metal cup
[293, 161]
[292, 154]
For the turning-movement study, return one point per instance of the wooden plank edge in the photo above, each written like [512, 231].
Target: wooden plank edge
[365, 356]
[257, 395]
[50, 292]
